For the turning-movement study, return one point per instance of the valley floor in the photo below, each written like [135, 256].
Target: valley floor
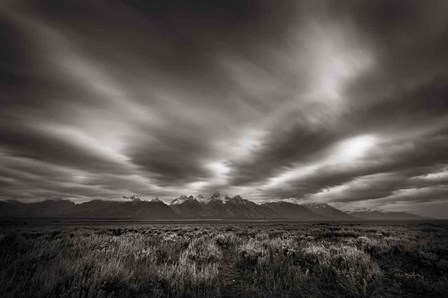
[225, 260]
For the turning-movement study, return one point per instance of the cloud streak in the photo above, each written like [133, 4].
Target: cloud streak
[342, 102]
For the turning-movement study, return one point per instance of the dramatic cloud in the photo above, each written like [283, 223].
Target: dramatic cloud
[323, 101]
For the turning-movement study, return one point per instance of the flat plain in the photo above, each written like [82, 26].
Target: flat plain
[224, 260]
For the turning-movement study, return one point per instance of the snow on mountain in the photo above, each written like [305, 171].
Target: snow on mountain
[317, 205]
[290, 200]
[200, 198]
[181, 199]
[219, 206]
[217, 196]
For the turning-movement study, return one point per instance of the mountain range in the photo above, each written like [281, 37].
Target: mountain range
[216, 206]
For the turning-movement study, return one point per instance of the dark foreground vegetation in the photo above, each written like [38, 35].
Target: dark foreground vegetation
[246, 260]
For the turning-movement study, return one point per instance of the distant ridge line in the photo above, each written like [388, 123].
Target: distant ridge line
[189, 207]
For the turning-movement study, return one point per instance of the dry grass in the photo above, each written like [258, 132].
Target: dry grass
[269, 260]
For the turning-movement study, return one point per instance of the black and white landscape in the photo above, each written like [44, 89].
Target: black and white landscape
[223, 148]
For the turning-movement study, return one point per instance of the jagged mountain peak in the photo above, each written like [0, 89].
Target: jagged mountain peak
[200, 198]
[215, 195]
[317, 205]
[289, 200]
[184, 198]
[218, 198]
[238, 200]
[181, 199]
[215, 198]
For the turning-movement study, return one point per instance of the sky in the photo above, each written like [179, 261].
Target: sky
[340, 102]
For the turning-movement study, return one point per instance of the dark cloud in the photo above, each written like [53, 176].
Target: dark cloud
[175, 157]
[285, 146]
[319, 100]
[27, 142]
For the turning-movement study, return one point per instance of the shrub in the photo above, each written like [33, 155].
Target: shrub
[227, 240]
[353, 270]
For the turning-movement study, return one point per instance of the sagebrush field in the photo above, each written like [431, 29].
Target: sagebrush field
[231, 260]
